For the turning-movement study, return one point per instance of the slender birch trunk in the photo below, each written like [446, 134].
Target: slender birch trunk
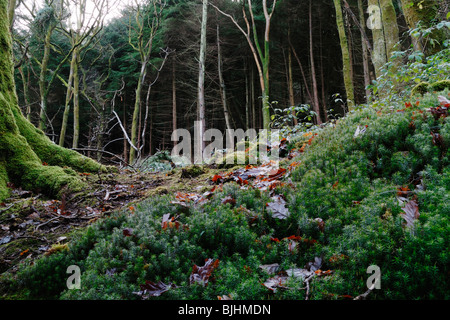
[201, 87]
[174, 99]
[315, 102]
[42, 81]
[69, 94]
[223, 90]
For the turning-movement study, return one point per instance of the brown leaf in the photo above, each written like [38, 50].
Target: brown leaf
[151, 289]
[278, 207]
[201, 274]
[229, 200]
[270, 268]
[170, 223]
[411, 214]
[443, 101]
[127, 232]
[403, 191]
[276, 282]
[314, 265]
[320, 224]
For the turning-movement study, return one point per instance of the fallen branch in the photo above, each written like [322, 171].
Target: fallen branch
[307, 280]
[97, 150]
[364, 295]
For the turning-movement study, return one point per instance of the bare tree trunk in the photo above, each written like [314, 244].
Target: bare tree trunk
[308, 92]
[252, 95]
[365, 54]
[76, 103]
[145, 27]
[201, 87]
[69, 93]
[291, 83]
[42, 81]
[223, 90]
[390, 26]
[316, 106]
[261, 55]
[247, 96]
[322, 80]
[174, 99]
[125, 142]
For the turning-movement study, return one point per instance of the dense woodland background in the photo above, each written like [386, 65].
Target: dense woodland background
[76, 69]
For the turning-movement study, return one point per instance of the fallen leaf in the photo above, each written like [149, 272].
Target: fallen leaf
[299, 273]
[201, 274]
[314, 265]
[275, 282]
[443, 101]
[403, 191]
[127, 232]
[5, 240]
[360, 130]
[270, 268]
[229, 200]
[151, 289]
[320, 224]
[278, 207]
[411, 214]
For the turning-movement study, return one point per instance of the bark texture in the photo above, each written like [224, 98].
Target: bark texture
[346, 61]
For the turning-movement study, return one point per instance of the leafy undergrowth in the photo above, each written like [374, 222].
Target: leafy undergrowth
[372, 189]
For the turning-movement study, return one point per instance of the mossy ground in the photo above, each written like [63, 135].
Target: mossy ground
[350, 182]
[24, 210]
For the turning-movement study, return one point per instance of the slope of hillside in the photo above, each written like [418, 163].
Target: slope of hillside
[370, 192]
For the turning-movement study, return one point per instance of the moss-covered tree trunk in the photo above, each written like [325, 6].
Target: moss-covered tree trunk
[385, 32]
[423, 11]
[346, 61]
[390, 26]
[69, 93]
[42, 80]
[27, 157]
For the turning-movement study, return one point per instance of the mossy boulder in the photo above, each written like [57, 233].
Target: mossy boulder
[421, 88]
[192, 172]
[440, 85]
[424, 87]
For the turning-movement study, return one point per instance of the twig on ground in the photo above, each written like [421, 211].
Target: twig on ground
[363, 296]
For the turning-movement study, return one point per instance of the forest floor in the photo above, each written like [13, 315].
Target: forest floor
[32, 225]
[372, 188]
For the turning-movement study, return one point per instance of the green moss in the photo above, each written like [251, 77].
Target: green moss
[27, 157]
[192, 171]
[4, 192]
[440, 85]
[424, 87]
[421, 88]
